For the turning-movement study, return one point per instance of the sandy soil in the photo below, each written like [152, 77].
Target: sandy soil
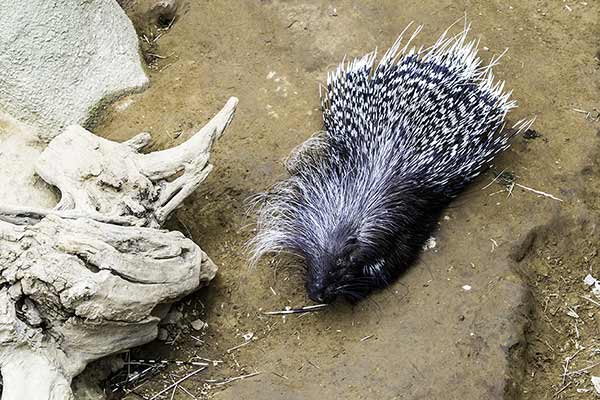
[272, 55]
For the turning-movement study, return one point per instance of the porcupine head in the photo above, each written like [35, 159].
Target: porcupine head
[402, 139]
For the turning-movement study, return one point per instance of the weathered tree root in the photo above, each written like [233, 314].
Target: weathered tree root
[88, 278]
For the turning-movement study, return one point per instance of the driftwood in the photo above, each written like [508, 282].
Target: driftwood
[95, 275]
[98, 176]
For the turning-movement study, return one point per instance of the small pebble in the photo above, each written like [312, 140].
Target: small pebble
[198, 325]
[163, 334]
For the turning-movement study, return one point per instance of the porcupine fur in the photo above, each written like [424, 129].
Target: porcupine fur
[401, 140]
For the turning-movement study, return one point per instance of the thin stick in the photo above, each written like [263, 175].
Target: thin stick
[238, 346]
[495, 193]
[166, 362]
[494, 244]
[136, 376]
[157, 55]
[171, 23]
[316, 307]
[157, 37]
[547, 344]
[235, 378]
[538, 192]
[165, 67]
[579, 371]
[581, 111]
[280, 376]
[591, 300]
[568, 360]
[493, 180]
[177, 383]
[510, 190]
[562, 389]
[213, 362]
[187, 392]
[127, 391]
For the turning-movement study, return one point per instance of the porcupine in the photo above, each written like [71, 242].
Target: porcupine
[401, 140]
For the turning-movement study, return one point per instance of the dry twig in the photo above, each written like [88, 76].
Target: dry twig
[175, 384]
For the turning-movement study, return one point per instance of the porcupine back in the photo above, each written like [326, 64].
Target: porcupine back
[402, 138]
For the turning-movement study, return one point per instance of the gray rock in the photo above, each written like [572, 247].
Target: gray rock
[60, 60]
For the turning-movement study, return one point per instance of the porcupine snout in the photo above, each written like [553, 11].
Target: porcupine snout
[318, 291]
[324, 285]
[319, 283]
[329, 272]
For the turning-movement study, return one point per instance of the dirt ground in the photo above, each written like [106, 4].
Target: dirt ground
[523, 255]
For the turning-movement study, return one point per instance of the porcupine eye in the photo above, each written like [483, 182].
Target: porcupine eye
[346, 263]
[340, 262]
